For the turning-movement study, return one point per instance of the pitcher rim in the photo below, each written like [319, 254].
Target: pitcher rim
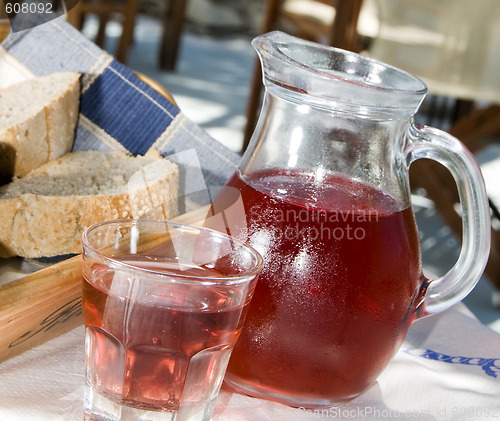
[271, 38]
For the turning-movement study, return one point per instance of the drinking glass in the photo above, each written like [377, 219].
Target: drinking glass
[163, 305]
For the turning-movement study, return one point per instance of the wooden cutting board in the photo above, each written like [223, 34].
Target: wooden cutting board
[40, 306]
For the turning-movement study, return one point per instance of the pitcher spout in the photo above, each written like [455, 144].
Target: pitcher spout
[293, 68]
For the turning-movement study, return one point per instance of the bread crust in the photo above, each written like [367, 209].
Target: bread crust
[62, 117]
[42, 225]
[23, 147]
[40, 129]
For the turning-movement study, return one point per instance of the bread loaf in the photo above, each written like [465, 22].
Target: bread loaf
[37, 122]
[44, 213]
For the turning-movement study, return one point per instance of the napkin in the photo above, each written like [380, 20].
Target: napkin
[118, 111]
[447, 369]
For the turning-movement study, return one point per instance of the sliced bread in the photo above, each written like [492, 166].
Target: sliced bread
[44, 213]
[37, 122]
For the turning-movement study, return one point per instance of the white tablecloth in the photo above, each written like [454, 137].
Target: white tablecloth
[447, 369]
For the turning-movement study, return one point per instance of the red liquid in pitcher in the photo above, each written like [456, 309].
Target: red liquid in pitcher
[341, 280]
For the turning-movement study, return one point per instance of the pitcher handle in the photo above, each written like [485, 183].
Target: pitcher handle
[431, 143]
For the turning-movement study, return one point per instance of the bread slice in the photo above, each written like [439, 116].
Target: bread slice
[37, 122]
[44, 213]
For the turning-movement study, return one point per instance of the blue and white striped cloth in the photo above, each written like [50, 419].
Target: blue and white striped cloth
[119, 111]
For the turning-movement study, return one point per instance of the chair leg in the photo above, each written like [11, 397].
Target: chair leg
[253, 104]
[76, 16]
[101, 32]
[127, 37]
[173, 23]
[269, 22]
[344, 31]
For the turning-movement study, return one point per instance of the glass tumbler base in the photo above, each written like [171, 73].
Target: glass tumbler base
[98, 407]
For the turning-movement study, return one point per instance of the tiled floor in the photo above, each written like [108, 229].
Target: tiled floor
[211, 85]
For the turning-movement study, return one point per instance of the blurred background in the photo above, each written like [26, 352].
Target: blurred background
[200, 52]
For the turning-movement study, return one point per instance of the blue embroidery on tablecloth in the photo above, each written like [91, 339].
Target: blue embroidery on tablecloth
[126, 108]
[490, 366]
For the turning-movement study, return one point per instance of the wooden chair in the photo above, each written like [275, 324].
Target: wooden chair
[125, 10]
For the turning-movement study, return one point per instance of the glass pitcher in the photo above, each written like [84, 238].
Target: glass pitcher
[324, 185]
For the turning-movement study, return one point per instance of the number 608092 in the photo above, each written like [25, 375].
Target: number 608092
[24, 8]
